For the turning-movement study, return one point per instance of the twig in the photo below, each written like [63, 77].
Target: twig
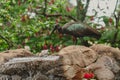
[78, 10]
[115, 15]
[115, 7]
[57, 15]
[54, 15]
[81, 14]
[85, 10]
[45, 7]
[117, 23]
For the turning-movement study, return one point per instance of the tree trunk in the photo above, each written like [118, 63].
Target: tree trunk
[81, 10]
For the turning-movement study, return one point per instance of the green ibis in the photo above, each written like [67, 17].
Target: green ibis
[77, 29]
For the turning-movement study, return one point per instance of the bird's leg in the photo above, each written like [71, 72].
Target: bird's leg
[75, 40]
[84, 42]
[60, 35]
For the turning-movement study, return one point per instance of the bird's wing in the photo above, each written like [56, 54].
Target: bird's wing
[93, 30]
[79, 28]
[90, 29]
[76, 27]
[82, 30]
[69, 24]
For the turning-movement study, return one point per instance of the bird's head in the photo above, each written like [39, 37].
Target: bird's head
[56, 27]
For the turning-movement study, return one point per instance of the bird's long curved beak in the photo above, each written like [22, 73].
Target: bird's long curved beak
[53, 30]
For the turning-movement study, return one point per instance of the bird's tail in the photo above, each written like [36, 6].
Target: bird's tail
[95, 33]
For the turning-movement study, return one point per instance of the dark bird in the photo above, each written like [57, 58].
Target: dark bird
[77, 29]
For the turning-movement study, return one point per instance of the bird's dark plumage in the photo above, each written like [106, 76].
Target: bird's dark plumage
[77, 29]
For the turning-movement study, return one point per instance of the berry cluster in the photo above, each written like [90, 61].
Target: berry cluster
[88, 75]
[51, 47]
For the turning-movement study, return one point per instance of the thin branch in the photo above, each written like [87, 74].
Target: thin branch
[57, 15]
[78, 10]
[54, 15]
[115, 15]
[117, 23]
[81, 14]
[85, 10]
[115, 6]
[45, 7]
[119, 16]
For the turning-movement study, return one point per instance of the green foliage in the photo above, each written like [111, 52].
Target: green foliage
[108, 35]
[22, 24]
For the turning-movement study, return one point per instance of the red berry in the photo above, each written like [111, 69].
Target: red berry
[87, 76]
[52, 50]
[64, 46]
[46, 17]
[110, 20]
[29, 8]
[102, 28]
[19, 46]
[60, 17]
[45, 46]
[60, 36]
[38, 7]
[28, 38]
[91, 75]
[56, 21]
[36, 34]
[52, 1]
[51, 46]
[68, 9]
[19, 2]
[57, 48]
[92, 18]
[23, 43]
[23, 19]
